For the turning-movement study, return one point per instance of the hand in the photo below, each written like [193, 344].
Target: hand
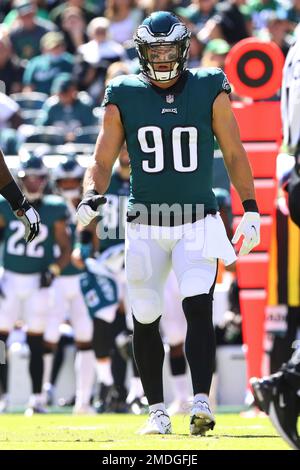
[87, 210]
[46, 278]
[249, 227]
[30, 218]
[49, 275]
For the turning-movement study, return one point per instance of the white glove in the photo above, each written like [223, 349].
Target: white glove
[249, 227]
[87, 209]
[30, 218]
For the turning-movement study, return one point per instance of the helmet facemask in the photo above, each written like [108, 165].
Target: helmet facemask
[162, 59]
[33, 186]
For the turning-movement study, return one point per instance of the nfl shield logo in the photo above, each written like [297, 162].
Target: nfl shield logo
[170, 99]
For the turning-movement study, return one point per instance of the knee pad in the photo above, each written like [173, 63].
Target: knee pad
[102, 338]
[146, 305]
[198, 280]
[138, 264]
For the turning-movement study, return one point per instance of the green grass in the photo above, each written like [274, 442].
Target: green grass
[112, 432]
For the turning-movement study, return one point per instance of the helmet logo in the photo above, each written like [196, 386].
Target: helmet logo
[170, 99]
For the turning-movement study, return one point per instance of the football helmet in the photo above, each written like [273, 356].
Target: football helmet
[68, 176]
[278, 395]
[33, 176]
[162, 42]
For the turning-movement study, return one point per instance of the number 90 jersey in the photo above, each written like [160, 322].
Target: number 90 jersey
[36, 256]
[169, 136]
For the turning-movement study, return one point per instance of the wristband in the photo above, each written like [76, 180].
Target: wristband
[12, 193]
[91, 193]
[250, 205]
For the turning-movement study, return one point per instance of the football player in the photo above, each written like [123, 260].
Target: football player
[278, 395]
[18, 202]
[69, 303]
[30, 269]
[168, 116]
[103, 284]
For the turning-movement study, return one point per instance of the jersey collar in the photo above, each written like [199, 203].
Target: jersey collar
[175, 89]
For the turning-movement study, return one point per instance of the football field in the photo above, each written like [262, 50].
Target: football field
[118, 432]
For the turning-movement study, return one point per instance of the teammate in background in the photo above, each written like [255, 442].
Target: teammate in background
[170, 138]
[30, 269]
[18, 202]
[68, 301]
[109, 314]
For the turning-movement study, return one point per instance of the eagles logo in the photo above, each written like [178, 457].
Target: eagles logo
[106, 97]
[226, 85]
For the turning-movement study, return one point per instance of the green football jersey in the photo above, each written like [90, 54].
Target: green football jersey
[112, 225]
[169, 138]
[35, 256]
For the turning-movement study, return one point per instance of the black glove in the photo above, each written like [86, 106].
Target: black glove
[49, 274]
[87, 209]
[30, 218]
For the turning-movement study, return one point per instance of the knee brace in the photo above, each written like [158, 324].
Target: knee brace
[146, 305]
[199, 280]
[102, 338]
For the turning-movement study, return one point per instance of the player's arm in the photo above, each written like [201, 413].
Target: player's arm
[227, 132]
[63, 240]
[97, 177]
[19, 204]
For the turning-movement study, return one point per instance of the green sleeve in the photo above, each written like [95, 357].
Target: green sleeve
[221, 83]
[111, 94]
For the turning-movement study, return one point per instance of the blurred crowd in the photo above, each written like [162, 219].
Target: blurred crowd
[91, 41]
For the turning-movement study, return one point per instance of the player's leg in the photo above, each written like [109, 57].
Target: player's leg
[85, 357]
[102, 345]
[147, 265]
[36, 308]
[196, 276]
[173, 325]
[119, 362]
[3, 375]
[54, 318]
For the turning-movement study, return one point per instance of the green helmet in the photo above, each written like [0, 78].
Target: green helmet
[33, 175]
[162, 31]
